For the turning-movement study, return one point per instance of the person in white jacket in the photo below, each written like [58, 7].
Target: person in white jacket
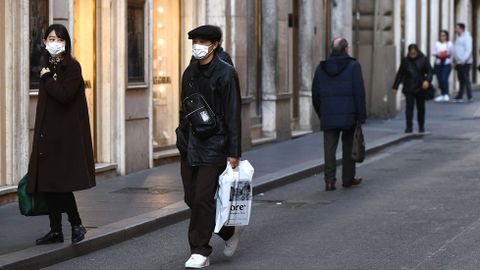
[443, 52]
[463, 61]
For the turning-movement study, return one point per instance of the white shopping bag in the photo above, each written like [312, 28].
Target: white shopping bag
[234, 196]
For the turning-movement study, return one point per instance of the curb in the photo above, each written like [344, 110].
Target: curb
[41, 256]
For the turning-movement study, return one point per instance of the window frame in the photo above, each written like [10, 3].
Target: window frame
[35, 84]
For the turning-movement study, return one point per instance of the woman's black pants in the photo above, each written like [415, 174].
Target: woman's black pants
[58, 203]
[419, 100]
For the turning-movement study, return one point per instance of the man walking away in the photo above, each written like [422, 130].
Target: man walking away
[338, 95]
[463, 61]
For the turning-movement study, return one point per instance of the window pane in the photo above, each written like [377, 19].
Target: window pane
[38, 26]
[166, 78]
[136, 67]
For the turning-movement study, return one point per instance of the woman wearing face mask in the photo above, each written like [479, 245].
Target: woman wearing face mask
[204, 158]
[415, 73]
[62, 155]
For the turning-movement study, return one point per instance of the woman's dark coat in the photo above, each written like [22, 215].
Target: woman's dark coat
[62, 154]
[219, 85]
[338, 93]
[412, 73]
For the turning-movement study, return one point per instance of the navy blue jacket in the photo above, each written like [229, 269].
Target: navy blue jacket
[338, 93]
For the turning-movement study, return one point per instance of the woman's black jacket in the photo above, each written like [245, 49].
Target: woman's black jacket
[412, 73]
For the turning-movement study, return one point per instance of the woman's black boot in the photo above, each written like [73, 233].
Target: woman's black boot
[78, 233]
[50, 238]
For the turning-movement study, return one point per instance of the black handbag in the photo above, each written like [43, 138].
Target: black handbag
[200, 116]
[358, 149]
[429, 92]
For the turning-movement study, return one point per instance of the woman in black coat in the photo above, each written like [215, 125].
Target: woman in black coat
[415, 73]
[62, 155]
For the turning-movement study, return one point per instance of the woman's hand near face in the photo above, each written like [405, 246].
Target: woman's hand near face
[425, 85]
[44, 71]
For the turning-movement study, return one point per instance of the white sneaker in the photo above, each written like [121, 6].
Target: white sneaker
[446, 98]
[197, 261]
[439, 99]
[232, 243]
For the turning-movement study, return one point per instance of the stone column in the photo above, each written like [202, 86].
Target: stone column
[276, 117]
[269, 67]
[434, 23]
[434, 27]
[3, 112]
[448, 23]
[306, 65]
[410, 22]
[238, 44]
[424, 24]
[397, 41]
[14, 96]
[445, 15]
[342, 19]
[380, 69]
[251, 57]
[463, 13]
[216, 14]
[111, 81]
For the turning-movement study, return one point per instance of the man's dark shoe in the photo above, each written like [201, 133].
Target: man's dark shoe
[78, 233]
[50, 238]
[458, 100]
[330, 186]
[421, 130]
[408, 130]
[354, 182]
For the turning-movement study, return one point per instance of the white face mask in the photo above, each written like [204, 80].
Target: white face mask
[55, 48]
[200, 52]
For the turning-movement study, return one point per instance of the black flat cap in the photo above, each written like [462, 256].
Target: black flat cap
[208, 32]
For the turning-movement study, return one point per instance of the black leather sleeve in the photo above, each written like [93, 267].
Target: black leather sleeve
[400, 75]
[232, 105]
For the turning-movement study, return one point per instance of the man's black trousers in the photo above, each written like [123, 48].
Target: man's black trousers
[330, 144]
[463, 74]
[200, 185]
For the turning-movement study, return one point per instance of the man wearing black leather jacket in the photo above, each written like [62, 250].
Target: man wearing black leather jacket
[415, 73]
[204, 159]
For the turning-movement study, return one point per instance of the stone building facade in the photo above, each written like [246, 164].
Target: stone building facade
[133, 52]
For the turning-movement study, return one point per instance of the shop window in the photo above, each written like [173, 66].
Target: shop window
[166, 77]
[136, 43]
[38, 26]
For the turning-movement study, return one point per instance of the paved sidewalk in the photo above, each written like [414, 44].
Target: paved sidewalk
[123, 207]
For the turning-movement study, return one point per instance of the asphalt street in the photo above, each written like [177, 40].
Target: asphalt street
[417, 209]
